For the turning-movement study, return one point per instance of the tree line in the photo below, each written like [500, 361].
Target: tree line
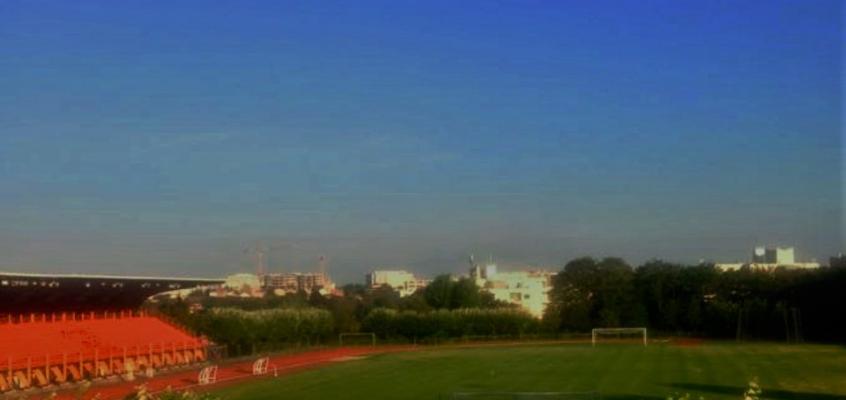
[667, 298]
[699, 300]
[470, 323]
[249, 332]
[447, 308]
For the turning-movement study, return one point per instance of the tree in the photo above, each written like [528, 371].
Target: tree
[354, 290]
[439, 292]
[384, 297]
[415, 302]
[615, 298]
[659, 288]
[572, 295]
[296, 299]
[315, 299]
[587, 294]
[488, 300]
[465, 294]
[343, 311]
[177, 309]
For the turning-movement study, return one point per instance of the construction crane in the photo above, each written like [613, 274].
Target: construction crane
[259, 251]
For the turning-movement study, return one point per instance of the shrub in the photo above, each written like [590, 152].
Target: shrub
[245, 332]
[412, 325]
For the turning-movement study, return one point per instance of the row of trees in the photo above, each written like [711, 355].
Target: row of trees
[413, 326]
[247, 332]
[695, 300]
[446, 308]
[699, 300]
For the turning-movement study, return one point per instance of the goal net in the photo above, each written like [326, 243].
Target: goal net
[619, 335]
[357, 339]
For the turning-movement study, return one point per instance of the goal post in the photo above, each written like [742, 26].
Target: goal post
[598, 332]
[357, 337]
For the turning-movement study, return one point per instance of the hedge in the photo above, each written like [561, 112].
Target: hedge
[246, 332]
[412, 326]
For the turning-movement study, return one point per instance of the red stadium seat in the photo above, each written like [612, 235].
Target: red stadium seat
[103, 369]
[46, 340]
[73, 350]
[57, 375]
[74, 373]
[117, 366]
[20, 380]
[39, 378]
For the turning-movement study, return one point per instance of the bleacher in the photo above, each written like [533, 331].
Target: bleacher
[42, 350]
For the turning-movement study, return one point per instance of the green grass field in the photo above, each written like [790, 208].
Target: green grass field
[711, 370]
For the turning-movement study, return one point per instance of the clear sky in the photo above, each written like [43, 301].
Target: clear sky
[164, 137]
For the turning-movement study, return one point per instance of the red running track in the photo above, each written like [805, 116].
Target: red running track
[227, 374]
[237, 372]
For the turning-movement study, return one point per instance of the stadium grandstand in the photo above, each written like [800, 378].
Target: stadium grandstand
[57, 329]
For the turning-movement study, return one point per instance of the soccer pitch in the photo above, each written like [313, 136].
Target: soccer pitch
[710, 370]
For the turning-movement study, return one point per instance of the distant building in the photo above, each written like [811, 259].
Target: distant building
[242, 281]
[768, 258]
[528, 289]
[773, 255]
[293, 282]
[239, 285]
[402, 281]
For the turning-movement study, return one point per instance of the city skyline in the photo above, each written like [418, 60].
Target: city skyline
[153, 139]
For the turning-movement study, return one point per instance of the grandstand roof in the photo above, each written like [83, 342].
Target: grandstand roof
[27, 293]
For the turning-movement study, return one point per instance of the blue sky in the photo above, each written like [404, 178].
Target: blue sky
[165, 137]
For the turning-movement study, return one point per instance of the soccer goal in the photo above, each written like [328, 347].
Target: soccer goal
[618, 334]
[357, 339]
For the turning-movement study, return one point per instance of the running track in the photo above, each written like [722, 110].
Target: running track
[235, 372]
[227, 374]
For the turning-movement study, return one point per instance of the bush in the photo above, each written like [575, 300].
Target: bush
[411, 325]
[246, 332]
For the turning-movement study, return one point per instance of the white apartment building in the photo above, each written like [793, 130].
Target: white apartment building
[400, 280]
[528, 289]
[768, 258]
